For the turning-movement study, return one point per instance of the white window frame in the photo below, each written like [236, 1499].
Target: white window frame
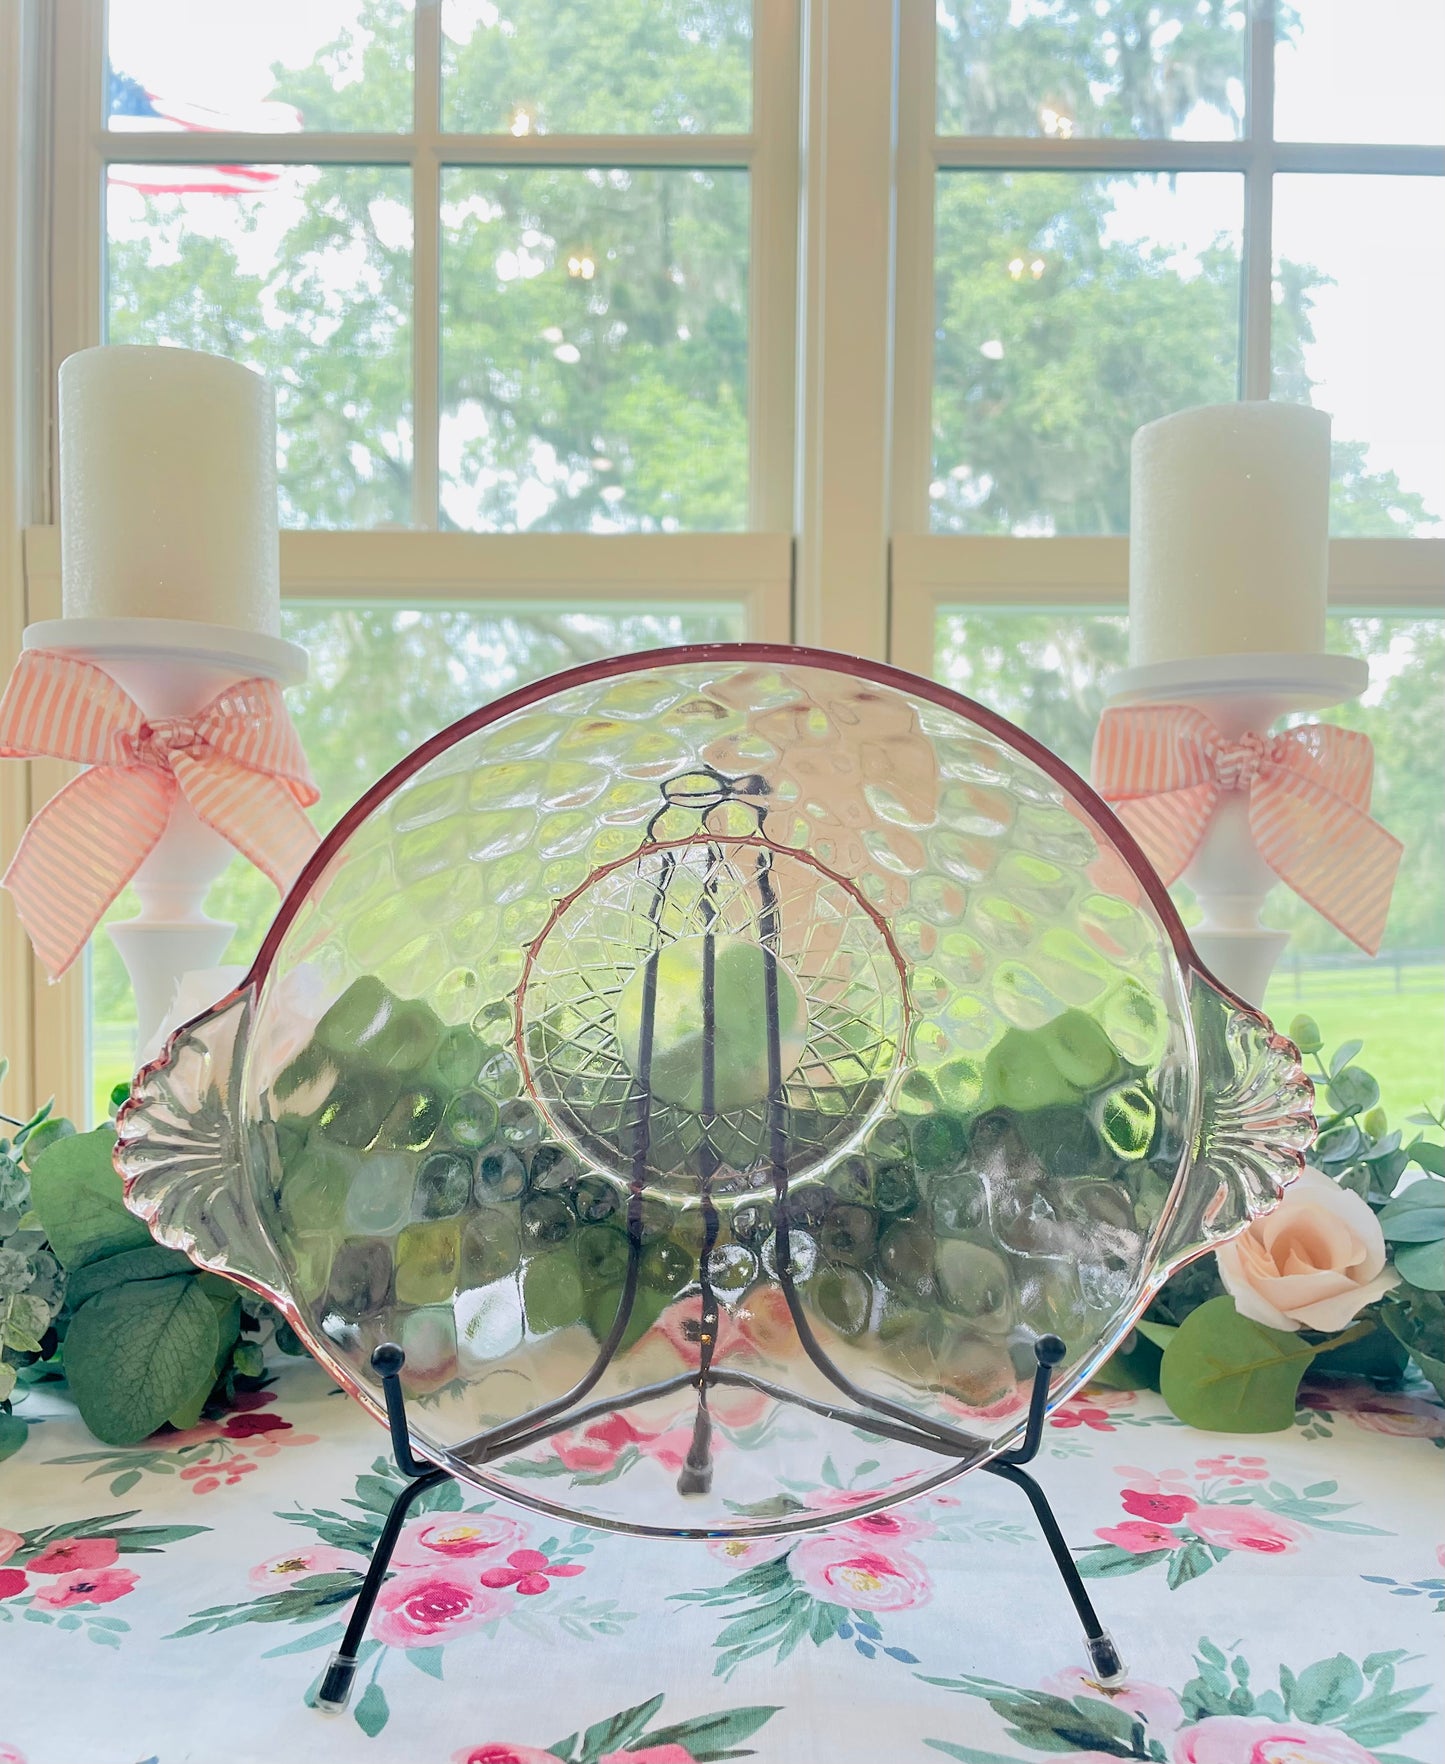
[843, 159]
[934, 571]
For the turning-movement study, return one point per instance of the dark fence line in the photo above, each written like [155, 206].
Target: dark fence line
[1394, 963]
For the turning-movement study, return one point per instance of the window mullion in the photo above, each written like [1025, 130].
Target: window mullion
[426, 268]
[846, 315]
[914, 294]
[773, 266]
[1257, 280]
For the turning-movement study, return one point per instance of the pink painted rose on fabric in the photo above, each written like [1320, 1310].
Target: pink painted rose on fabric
[529, 1571]
[680, 1325]
[1238, 1470]
[670, 1449]
[891, 1526]
[87, 1586]
[456, 1537]
[672, 1754]
[10, 1541]
[1160, 1482]
[599, 1446]
[503, 1754]
[10, 1754]
[1139, 1536]
[1250, 1739]
[1155, 1705]
[1163, 1509]
[847, 1571]
[298, 1564]
[1404, 1417]
[424, 1605]
[748, 1552]
[1246, 1528]
[1315, 1262]
[70, 1553]
[13, 1581]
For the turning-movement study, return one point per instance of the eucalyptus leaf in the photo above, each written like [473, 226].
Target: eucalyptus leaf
[1416, 1214]
[1428, 1155]
[1352, 1090]
[1225, 1374]
[136, 1352]
[1342, 1056]
[1423, 1265]
[151, 1263]
[76, 1193]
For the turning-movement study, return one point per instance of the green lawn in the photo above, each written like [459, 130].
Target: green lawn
[1403, 1031]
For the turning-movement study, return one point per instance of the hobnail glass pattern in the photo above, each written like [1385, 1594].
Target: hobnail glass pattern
[467, 1084]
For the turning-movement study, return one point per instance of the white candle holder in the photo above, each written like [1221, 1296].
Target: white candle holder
[1240, 694]
[172, 668]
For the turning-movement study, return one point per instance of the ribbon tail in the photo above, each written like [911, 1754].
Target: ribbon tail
[257, 813]
[1329, 852]
[1170, 826]
[80, 851]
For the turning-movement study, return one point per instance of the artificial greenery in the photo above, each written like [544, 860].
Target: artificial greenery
[87, 1294]
[1219, 1370]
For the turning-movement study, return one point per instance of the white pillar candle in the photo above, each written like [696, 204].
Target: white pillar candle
[168, 489]
[1229, 533]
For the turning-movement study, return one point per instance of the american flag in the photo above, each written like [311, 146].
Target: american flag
[133, 107]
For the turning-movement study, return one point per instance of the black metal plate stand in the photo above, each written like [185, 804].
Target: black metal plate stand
[336, 1682]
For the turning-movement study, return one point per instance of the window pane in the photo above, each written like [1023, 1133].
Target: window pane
[594, 350]
[644, 67]
[1359, 268]
[273, 66]
[1071, 308]
[1047, 672]
[303, 272]
[382, 680]
[1360, 70]
[1052, 67]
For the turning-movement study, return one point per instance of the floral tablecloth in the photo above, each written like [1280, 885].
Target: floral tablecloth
[1278, 1600]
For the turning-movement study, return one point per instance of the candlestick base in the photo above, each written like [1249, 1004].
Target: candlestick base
[171, 668]
[1239, 694]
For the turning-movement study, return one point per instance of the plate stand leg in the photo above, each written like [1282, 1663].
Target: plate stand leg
[1109, 1668]
[336, 1682]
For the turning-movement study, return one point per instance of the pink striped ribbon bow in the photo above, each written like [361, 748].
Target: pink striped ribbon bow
[1164, 767]
[238, 763]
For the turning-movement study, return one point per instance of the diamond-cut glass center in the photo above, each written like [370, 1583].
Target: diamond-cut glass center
[775, 921]
[716, 1020]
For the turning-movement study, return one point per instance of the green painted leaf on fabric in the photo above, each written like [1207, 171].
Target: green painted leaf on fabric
[428, 1660]
[77, 1194]
[134, 1353]
[618, 1732]
[1423, 1265]
[968, 1754]
[1225, 1374]
[709, 1737]
[372, 1713]
[153, 1262]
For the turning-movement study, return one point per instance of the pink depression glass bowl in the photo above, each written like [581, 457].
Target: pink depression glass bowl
[739, 1019]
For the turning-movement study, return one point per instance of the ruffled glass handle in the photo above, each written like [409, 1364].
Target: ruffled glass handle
[1256, 1124]
[179, 1149]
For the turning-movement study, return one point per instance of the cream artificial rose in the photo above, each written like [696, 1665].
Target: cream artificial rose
[1315, 1262]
